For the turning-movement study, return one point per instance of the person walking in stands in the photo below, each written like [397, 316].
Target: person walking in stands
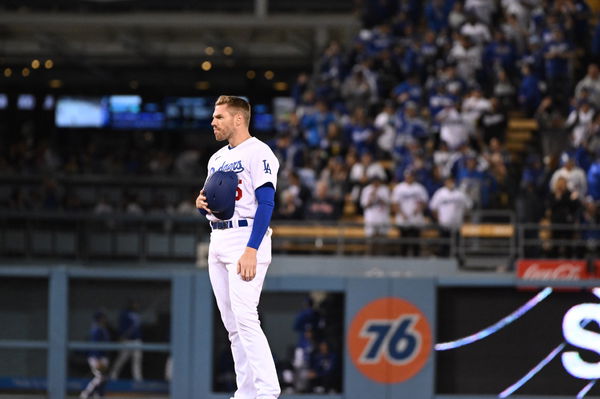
[97, 359]
[130, 332]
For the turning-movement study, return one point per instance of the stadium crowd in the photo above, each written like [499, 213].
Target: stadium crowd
[410, 119]
[407, 123]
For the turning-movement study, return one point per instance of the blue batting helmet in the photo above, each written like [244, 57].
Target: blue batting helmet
[220, 193]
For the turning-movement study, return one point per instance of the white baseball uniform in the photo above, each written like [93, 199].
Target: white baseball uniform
[255, 165]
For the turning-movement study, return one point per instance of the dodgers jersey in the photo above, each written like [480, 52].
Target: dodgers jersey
[409, 197]
[450, 205]
[255, 165]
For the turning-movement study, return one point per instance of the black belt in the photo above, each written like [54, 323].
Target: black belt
[228, 224]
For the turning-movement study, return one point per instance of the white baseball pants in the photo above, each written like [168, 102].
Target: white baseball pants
[99, 367]
[237, 300]
[136, 361]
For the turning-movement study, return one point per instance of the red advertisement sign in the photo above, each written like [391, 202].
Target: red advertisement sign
[597, 268]
[542, 269]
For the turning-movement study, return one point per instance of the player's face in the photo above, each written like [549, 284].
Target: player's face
[222, 122]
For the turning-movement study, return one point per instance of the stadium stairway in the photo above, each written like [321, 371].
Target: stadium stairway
[520, 134]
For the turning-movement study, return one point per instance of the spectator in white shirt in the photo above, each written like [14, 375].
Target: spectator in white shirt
[591, 83]
[474, 106]
[375, 201]
[363, 172]
[478, 32]
[467, 56]
[454, 131]
[449, 206]
[580, 122]
[574, 175]
[386, 123]
[409, 201]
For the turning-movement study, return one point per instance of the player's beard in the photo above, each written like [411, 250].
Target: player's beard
[222, 134]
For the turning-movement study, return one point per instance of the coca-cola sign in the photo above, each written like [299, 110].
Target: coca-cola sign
[541, 269]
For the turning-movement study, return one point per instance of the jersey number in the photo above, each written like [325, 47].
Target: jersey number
[238, 191]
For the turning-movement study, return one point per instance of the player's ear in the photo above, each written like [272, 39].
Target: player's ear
[238, 119]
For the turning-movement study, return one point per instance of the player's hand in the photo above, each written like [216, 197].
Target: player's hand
[246, 266]
[201, 202]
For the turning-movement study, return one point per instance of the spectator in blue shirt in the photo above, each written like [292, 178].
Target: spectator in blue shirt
[593, 180]
[362, 132]
[436, 14]
[557, 53]
[500, 54]
[529, 91]
[410, 126]
[307, 319]
[440, 99]
[534, 57]
[409, 90]
[288, 151]
[324, 369]
[315, 124]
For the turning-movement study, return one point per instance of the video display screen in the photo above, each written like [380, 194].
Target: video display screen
[130, 112]
[81, 112]
[188, 112]
[504, 341]
[26, 102]
[134, 112]
[262, 118]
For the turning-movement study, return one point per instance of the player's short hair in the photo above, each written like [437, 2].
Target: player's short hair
[238, 104]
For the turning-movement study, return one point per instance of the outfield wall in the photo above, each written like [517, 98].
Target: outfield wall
[395, 311]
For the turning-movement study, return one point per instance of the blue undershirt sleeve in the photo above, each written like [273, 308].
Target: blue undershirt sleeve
[202, 211]
[265, 195]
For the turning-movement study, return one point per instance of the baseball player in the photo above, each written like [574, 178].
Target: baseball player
[240, 247]
[97, 360]
[130, 331]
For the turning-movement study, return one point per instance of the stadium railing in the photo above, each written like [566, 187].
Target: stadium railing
[489, 240]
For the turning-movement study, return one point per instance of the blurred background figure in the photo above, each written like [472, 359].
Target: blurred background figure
[325, 370]
[97, 359]
[409, 202]
[449, 206]
[562, 208]
[375, 201]
[130, 332]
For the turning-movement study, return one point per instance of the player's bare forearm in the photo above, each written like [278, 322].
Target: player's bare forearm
[246, 266]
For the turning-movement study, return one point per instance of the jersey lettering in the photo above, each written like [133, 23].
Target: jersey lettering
[250, 161]
[267, 167]
[236, 166]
